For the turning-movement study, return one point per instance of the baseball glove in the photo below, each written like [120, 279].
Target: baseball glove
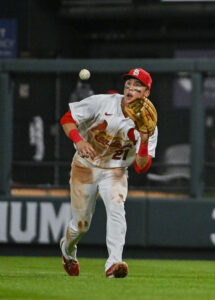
[144, 115]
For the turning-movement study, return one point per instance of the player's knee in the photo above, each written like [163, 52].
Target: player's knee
[117, 203]
[116, 209]
[83, 226]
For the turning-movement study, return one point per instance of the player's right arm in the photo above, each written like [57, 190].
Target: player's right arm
[145, 152]
[70, 128]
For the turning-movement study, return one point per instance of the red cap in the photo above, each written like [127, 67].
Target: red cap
[141, 75]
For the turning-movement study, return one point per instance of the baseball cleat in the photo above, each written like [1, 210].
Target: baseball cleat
[118, 270]
[71, 266]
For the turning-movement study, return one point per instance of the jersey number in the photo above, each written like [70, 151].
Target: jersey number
[120, 154]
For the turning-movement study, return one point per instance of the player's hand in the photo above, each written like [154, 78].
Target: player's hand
[144, 115]
[85, 150]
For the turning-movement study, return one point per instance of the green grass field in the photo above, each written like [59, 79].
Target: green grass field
[44, 278]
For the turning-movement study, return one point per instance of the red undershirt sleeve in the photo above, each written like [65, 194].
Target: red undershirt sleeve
[67, 118]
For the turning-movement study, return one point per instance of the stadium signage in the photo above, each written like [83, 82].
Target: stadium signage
[8, 38]
[33, 221]
[170, 223]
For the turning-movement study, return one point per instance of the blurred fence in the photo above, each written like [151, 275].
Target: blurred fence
[34, 152]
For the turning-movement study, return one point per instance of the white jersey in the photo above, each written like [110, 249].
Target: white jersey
[101, 123]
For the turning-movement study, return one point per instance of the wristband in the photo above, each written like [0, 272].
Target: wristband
[143, 150]
[144, 169]
[74, 136]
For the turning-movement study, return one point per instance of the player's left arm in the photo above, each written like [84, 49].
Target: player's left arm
[143, 160]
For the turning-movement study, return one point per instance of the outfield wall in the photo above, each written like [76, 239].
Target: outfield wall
[151, 222]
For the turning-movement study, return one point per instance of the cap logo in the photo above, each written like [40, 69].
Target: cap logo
[136, 72]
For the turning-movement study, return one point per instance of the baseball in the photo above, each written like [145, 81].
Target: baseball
[84, 74]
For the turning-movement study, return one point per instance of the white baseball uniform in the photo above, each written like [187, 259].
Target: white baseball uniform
[101, 122]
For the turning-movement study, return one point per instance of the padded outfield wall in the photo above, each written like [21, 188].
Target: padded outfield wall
[151, 222]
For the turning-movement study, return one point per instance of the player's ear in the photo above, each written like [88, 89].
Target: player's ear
[147, 93]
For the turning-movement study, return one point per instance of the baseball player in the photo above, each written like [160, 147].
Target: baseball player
[107, 142]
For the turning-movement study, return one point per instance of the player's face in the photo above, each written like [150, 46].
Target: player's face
[133, 90]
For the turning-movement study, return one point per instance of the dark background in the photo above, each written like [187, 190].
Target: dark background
[110, 29]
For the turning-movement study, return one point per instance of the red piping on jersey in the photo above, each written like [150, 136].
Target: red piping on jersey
[131, 136]
[145, 169]
[67, 118]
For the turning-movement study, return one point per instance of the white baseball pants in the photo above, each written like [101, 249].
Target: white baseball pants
[85, 183]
